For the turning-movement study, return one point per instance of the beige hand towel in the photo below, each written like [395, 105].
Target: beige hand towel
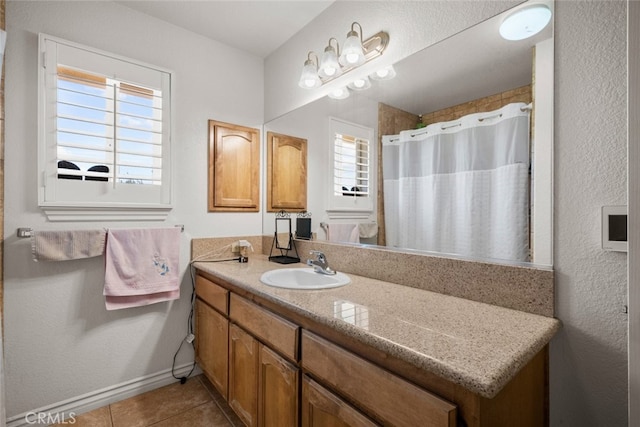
[67, 245]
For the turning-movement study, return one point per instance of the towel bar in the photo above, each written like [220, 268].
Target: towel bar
[25, 232]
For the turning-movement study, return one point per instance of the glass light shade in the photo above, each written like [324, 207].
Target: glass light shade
[340, 93]
[525, 22]
[352, 51]
[360, 84]
[309, 78]
[329, 66]
[386, 73]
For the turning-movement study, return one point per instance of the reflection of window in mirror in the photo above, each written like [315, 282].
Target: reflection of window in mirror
[351, 174]
[350, 166]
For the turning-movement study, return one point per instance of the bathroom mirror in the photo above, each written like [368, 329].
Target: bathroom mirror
[472, 64]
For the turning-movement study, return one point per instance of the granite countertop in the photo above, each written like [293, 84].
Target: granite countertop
[478, 346]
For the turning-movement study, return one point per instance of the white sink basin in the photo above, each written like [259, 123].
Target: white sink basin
[303, 278]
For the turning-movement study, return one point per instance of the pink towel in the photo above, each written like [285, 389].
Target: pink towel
[142, 267]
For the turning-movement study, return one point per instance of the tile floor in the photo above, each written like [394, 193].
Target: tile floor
[193, 404]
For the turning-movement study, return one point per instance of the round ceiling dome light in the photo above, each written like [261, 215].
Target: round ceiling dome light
[525, 22]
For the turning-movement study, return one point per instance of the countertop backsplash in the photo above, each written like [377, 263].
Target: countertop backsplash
[523, 288]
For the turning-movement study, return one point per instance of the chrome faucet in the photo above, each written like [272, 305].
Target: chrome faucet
[320, 264]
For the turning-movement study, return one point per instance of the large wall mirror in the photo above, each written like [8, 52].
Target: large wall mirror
[474, 74]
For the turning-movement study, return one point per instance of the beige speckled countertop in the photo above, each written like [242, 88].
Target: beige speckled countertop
[478, 346]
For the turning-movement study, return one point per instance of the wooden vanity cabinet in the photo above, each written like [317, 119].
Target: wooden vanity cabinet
[280, 374]
[263, 384]
[212, 332]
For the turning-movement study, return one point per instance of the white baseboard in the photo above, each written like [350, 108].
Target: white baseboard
[67, 409]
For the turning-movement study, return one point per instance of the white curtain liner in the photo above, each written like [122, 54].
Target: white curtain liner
[461, 187]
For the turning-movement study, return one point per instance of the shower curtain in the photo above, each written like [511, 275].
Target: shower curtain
[461, 187]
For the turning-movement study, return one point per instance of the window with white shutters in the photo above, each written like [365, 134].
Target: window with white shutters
[351, 174]
[105, 138]
[350, 166]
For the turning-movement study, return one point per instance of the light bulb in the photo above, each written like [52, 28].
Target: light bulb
[386, 73]
[360, 84]
[340, 93]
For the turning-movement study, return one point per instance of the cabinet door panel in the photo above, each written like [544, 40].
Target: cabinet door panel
[278, 390]
[286, 173]
[321, 408]
[234, 167]
[212, 341]
[243, 375]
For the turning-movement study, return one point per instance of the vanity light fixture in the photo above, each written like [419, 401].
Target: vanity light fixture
[309, 78]
[340, 93]
[355, 52]
[525, 22]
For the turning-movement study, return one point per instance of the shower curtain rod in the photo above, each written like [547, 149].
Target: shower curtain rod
[527, 107]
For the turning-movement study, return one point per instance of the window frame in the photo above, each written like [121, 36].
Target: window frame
[345, 206]
[93, 200]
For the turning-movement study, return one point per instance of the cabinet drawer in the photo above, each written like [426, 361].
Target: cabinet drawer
[276, 332]
[214, 295]
[385, 396]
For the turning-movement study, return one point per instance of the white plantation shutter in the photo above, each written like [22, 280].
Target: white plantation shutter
[106, 137]
[350, 166]
[352, 177]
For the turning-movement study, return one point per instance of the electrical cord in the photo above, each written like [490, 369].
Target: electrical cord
[190, 338]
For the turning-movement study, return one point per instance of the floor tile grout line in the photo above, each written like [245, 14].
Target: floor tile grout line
[217, 403]
[180, 413]
[172, 415]
[110, 415]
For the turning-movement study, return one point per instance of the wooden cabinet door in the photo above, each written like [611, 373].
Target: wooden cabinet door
[286, 173]
[321, 408]
[243, 375]
[234, 168]
[212, 343]
[278, 390]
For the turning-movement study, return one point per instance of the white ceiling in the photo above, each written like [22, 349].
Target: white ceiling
[258, 27]
[472, 64]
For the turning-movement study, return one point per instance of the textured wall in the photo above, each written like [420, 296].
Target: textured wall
[60, 342]
[589, 355]
[2, 27]
[634, 209]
